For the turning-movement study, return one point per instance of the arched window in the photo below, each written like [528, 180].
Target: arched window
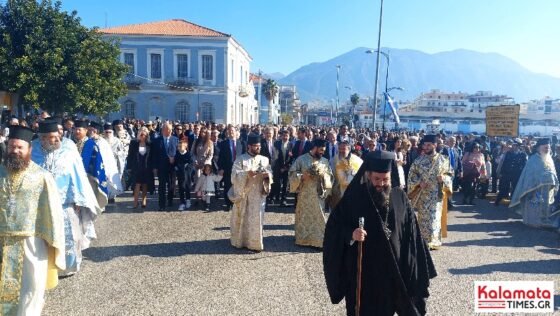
[206, 112]
[182, 109]
[130, 109]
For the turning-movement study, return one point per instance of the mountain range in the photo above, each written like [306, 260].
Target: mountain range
[416, 72]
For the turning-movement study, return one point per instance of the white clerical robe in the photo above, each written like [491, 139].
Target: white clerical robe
[248, 195]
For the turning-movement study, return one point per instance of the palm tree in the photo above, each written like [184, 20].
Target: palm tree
[354, 99]
[270, 91]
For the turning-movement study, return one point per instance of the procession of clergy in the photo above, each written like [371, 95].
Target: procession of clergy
[52, 189]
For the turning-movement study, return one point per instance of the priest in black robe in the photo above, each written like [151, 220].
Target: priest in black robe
[396, 263]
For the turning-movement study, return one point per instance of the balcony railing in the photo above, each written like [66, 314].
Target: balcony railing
[187, 84]
[243, 91]
[133, 82]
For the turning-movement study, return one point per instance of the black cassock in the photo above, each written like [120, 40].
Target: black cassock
[395, 273]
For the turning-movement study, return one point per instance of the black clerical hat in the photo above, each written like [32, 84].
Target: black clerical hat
[118, 122]
[430, 138]
[319, 143]
[21, 132]
[96, 125]
[379, 161]
[81, 123]
[543, 141]
[253, 139]
[107, 126]
[48, 126]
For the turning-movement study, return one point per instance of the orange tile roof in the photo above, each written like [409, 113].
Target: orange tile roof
[255, 78]
[174, 27]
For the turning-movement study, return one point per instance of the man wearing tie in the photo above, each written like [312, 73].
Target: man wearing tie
[267, 144]
[267, 150]
[193, 135]
[283, 152]
[162, 162]
[332, 146]
[230, 149]
[302, 145]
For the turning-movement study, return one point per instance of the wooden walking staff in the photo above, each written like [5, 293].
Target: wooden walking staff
[359, 283]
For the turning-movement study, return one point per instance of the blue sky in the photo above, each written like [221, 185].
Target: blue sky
[282, 36]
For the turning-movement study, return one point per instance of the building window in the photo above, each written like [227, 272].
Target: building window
[130, 109]
[155, 66]
[232, 71]
[182, 110]
[241, 75]
[207, 67]
[206, 112]
[182, 66]
[129, 61]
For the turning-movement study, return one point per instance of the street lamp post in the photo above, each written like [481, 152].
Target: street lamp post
[369, 51]
[337, 98]
[353, 107]
[377, 64]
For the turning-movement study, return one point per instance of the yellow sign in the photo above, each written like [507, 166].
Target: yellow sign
[502, 120]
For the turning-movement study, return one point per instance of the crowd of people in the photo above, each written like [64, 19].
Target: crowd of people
[78, 167]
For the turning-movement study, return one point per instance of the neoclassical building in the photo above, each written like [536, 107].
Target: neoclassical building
[183, 71]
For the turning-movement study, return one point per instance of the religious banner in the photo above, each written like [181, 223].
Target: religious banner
[502, 120]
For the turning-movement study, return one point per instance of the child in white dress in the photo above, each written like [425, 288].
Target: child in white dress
[204, 187]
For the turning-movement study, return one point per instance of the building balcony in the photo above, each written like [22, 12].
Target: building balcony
[245, 90]
[185, 84]
[133, 82]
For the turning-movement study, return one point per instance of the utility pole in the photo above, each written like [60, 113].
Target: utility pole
[377, 66]
[259, 93]
[337, 97]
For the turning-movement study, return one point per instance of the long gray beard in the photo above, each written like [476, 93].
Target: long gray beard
[14, 164]
[47, 147]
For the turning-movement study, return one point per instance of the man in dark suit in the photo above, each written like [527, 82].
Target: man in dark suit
[162, 161]
[332, 146]
[302, 145]
[230, 149]
[214, 137]
[283, 151]
[268, 150]
[454, 154]
[193, 136]
[267, 144]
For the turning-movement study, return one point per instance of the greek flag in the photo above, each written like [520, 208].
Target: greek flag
[393, 106]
